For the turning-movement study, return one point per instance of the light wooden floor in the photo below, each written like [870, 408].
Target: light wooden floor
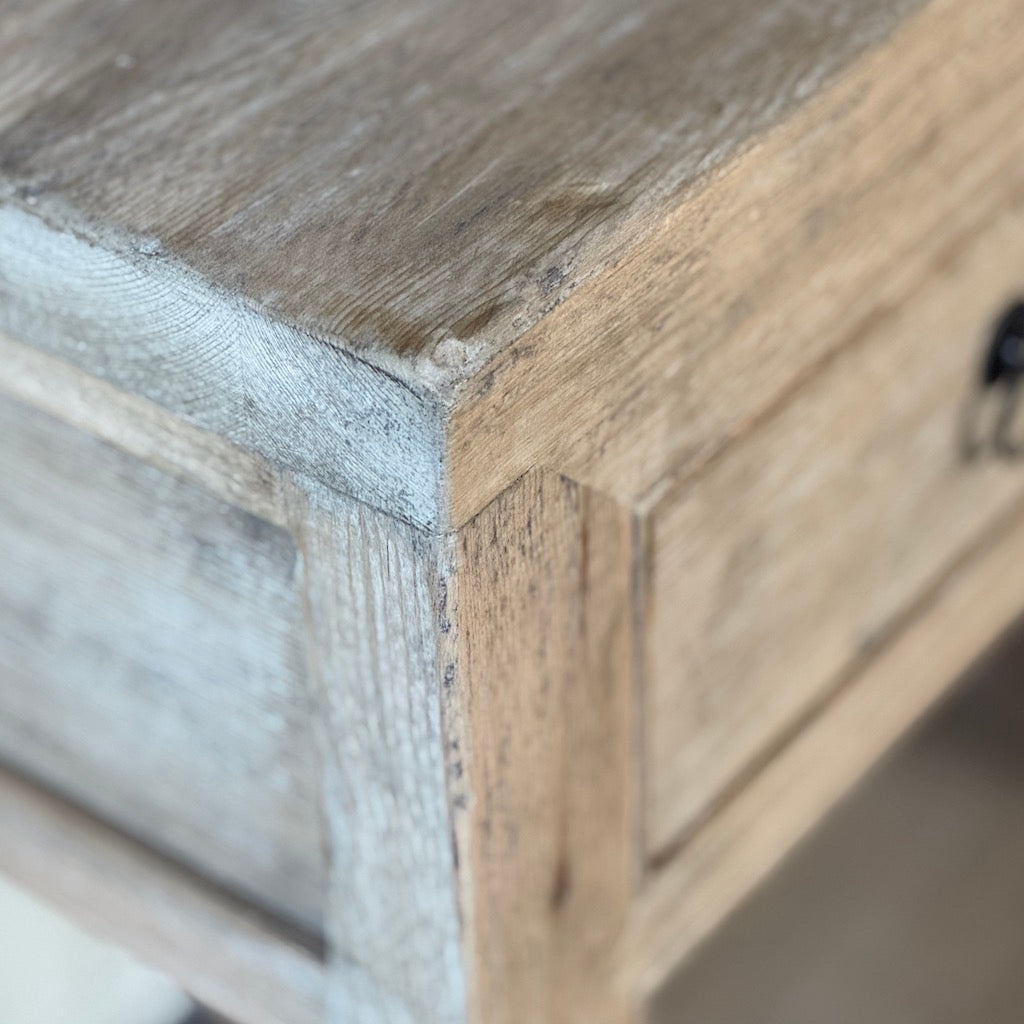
[907, 905]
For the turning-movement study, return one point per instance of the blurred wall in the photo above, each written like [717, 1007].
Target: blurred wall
[52, 973]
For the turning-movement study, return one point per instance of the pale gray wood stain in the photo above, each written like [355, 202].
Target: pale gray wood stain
[151, 660]
[122, 892]
[369, 587]
[156, 331]
[374, 619]
[142, 430]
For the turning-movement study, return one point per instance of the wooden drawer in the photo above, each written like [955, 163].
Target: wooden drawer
[804, 545]
[152, 661]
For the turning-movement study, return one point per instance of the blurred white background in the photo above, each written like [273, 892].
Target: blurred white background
[52, 973]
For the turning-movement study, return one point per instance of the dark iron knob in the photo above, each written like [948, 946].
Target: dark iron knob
[1004, 360]
[991, 410]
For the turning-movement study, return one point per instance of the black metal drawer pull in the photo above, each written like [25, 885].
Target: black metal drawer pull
[1001, 375]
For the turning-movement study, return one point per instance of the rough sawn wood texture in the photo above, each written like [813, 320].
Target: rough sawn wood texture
[551, 411]
[418, 183]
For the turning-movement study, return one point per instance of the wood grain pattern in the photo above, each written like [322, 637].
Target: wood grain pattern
[216, 947]
[371, 850]
[886, 691]
[801, 545]
[545, 686]
[160, 333]
[142, 430]
[418, 182]
[372, 588]
[494, 334]
[151, 664]
[767, 267]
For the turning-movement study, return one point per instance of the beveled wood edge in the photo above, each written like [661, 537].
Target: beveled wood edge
[678, 901]
[390, 444]
[588, 390]
[682, 901]
[226, 953]
[358, 565]
[142, 429]
[206, 357]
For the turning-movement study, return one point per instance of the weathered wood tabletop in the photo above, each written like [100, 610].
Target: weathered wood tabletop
[481, 479]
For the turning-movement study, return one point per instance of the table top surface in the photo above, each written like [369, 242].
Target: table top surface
[416, 182]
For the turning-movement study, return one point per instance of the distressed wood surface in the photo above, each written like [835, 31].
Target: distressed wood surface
[417, 182]
[151, 660]
[142, 430]
[802, 544]
[345, 830]
[372, 587]
[119, 890]
[317, 790]
[162, 334]
[767, 267]
[515, 328]
[545, 753]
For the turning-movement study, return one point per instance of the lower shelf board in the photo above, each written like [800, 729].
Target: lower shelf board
[219, 949]
[906, 903]
[684, 901]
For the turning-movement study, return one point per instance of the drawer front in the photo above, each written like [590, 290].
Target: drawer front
[791, 556]
[151, 660]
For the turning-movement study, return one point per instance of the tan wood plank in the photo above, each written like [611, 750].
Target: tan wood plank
[424, 259]
[637, 375]
[802, 544]
[544, 790]
[767, 267]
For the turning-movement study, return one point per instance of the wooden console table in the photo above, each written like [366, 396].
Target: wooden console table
[479, 480]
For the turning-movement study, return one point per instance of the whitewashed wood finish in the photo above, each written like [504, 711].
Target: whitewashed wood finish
[427, 277]
[374, 621]
[151, 660]
[414, 262]
[142, 430]
[120, 891]
[360, 783]
[155, 330]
